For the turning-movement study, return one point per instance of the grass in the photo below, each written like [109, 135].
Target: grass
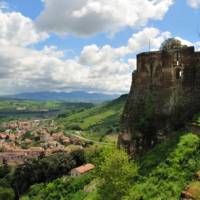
[97, 118]
[167, 169]
[103, 118]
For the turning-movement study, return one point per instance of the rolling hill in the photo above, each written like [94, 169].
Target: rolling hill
[102, 118]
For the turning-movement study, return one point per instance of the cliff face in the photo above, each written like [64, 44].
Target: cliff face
[165, 92]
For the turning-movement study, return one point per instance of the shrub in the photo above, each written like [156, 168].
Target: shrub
[116, 172]
[6, 194]
[172, 174]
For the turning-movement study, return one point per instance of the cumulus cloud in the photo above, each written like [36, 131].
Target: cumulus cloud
[97, 68]
[194, 3]
[93, 55]
[88, 17]
[18, 30]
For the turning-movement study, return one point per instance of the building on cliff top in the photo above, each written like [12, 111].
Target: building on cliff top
[171, 77]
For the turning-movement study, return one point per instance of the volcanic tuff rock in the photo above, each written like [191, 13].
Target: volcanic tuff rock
[165, 92]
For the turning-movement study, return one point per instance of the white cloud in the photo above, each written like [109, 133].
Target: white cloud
[194, 3]
[94, 55]
[148, 37]
[88, 17]
[103, 68]
[18, 30]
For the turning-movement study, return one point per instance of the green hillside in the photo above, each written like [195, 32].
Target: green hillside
[163, 174]
[167, 169]
[102, 118]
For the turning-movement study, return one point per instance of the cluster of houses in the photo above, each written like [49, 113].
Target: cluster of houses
[21, 140]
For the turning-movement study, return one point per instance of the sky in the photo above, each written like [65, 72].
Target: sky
[86, 45]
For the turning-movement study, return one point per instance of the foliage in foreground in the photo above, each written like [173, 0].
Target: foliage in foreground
[163, 174]
[116, 172]
[44, 170]
[112, 166]
[66, 188]
[6, 194]
[168, 178]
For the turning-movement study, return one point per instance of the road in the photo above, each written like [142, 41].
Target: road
[89, 140]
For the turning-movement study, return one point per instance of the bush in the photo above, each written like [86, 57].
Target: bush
[6, 194]
[116, 172]
[170, 176]
[62, 188]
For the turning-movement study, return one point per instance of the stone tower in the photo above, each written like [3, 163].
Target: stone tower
[165, 92]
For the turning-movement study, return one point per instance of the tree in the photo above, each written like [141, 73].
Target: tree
[116, 171]
[44, 169]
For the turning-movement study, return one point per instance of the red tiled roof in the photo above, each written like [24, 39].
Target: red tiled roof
[84, 168]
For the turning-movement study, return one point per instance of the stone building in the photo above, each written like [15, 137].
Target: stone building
[166, 83]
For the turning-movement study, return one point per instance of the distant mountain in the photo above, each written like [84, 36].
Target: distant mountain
[79, 96]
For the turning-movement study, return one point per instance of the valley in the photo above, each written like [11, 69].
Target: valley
[87, 133]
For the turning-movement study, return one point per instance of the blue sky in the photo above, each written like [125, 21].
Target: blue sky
[181, 20]
[62, 45]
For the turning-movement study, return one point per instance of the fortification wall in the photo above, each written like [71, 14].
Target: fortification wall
[167, 83]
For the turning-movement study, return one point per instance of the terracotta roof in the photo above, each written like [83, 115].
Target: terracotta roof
[3, 135]
[84, 168]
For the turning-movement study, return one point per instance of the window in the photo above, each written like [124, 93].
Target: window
[177, 58]
[179, 74]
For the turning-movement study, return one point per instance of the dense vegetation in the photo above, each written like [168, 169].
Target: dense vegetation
[63, 188]
[162, 174]
[167, 169]
[102, 118]
[16, 181]
[44, 169]
[112, 166]
[6, 192]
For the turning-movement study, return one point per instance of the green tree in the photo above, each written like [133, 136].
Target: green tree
[116, 171]
[44, 170]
